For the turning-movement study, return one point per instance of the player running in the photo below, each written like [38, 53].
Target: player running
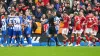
[89, 27]
[95, 30]
[78, 29]
[83, 18]
[66, 21]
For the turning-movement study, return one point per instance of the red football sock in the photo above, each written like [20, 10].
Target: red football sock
[72, 39]
[78, 40]
[87, 38]
[94, 43]
[64, 42]
[67, 40]
[99, 40]
[90, 38]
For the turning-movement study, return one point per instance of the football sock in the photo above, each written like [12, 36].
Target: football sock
[9, 41]
[2, 40]
[90, 39]
[29, 40]
[78, 41]
[94, 43]
[87, 38]
[48, 42]
[52, 38]
[18, 40]
[13, 40]
[22, 40]
[56, 40]
[65, 42]
[72, 39]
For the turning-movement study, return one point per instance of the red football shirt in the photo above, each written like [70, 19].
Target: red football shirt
[95, 26]
[83, 22]
[66, 21]
[77, 22]
[89, 21]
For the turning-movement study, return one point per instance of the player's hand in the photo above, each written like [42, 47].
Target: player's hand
[33, 32]
[70, 27]
[42, 23]
[9, 24]
[91, 26]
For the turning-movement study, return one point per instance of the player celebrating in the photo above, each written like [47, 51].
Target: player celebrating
[17, 30]
[56, 21]
[89, 27]
[78, 29]
[10, 27]
[3, 29]
[27, 29]
[95, 30]
[82, 17]
[65, 30]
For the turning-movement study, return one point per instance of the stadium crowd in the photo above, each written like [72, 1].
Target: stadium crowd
[78, 16]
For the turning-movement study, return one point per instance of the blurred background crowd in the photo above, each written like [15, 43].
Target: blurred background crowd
[39, 8]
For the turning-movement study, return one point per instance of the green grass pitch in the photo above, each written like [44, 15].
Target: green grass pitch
[50, 51]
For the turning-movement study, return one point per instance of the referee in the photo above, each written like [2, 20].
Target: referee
[51, 30]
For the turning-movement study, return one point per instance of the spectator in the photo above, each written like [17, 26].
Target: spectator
[60, 11]
[30, 4]
[49, 13]
[34, 25]
[38, 4]
[44, 19]
[45, 2]
[67, 8]
[13, 3]
[33, 10]
[38, 14]
[43, 8]
[73, 10]
[57, 5]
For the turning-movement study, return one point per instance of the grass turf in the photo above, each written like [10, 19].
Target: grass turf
[50, 51]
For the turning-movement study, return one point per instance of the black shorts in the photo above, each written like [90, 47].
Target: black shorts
[52, 30]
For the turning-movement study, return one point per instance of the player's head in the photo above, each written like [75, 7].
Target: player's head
[3, 16]
[39, 10]
[27, 12]
[65, 13]
[76, 13]
[81, 13]
[54, 13]
[20, 13]
[91, 14]
[43, 16]
[49, 12]
[33, 17]
[13, 13]
[24, 16]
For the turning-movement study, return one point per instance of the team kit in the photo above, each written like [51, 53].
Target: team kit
[18, 26]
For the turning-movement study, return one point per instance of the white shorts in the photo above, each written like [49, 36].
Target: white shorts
[94, 33]
[77, 31]
[89, 30]
[65, 31]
